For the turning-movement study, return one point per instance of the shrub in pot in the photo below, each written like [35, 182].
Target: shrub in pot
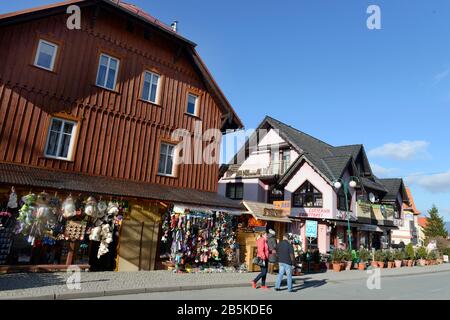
[389, 258]
[422, 255]
[379, 258]
[410, 254]
[336, 258]
[363, 255]
[348, 259]
[432, 256]
[315, 257]
[399, 255]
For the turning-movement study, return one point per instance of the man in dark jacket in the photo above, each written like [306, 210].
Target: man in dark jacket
[286, 260]
[272, 245]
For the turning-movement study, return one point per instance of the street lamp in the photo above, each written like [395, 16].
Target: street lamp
[338, 184]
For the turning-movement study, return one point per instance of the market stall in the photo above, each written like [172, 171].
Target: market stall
[199, 239]
[259, 217]
[49, 230]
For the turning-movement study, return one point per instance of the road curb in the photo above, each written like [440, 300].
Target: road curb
[128, 291]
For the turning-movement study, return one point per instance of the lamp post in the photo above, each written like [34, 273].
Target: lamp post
[338, 184]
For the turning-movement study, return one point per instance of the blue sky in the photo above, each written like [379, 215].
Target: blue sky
[316, 66]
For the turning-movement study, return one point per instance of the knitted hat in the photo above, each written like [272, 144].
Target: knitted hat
[271, 231]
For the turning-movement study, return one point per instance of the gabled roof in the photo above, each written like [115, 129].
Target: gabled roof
[394, 186]
[231, 120]
[411, 206]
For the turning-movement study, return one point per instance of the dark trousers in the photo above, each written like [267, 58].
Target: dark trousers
[263, 274]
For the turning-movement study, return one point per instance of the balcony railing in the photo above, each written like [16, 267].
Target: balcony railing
[274, 168]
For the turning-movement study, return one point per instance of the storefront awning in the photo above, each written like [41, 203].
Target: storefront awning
[40, 178]
[181, 207]
[362, 227]
[265, 211]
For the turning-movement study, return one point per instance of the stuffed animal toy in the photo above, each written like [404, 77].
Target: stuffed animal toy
[90, 209]
[102, 207]
[106, 239]
[95, 234]
[68, 210]
[12, 201]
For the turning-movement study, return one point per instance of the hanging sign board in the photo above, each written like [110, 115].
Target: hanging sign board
[311, 229]
[284, 206]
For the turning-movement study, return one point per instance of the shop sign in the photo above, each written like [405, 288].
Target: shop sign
[315, 213]
[284, 206]
[273, 212]
[311, 229]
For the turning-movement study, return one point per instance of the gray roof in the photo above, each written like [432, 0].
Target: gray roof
[394, 186]
[330, 161]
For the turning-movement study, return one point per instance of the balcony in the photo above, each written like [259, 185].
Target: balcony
[274, 168]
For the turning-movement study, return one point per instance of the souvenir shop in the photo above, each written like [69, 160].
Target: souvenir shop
[51, 229]
[199, 239]
[259, 217]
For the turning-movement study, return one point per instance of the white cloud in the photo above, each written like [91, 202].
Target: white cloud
[404, 150]
[434, 183]
[382, 172]
[442, 75]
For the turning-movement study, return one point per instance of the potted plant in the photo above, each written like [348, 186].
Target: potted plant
[315, 257]
[363, 255]
[336, 258]
[399, 255]
[432, 257]
[348, 259]
[379, 258]
[422, 255]
[410, 254]
[390, 259]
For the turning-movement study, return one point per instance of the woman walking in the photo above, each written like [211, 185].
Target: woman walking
[263, 254]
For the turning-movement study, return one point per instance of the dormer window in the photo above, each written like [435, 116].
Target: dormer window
[307, 196]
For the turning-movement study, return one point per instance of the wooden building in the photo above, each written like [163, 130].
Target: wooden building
[93, 110]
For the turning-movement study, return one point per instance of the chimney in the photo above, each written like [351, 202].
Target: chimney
[174, 26]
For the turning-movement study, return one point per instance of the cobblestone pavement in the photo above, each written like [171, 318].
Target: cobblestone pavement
[96, 284]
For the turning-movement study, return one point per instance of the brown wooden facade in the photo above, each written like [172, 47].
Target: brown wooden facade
[118, 134]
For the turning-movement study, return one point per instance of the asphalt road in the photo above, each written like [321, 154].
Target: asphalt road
[426, 286]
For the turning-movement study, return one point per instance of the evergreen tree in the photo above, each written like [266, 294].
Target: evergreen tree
[435, 224]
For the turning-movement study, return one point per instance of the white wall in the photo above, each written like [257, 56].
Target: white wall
[254, 189]
[329, 209]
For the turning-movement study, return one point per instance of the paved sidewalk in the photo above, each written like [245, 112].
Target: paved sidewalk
[97, 284]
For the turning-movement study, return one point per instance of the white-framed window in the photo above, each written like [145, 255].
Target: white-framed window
[151, 86]
[46, 55]
[60, 139]
[108, 68]
[166, 161]
[192, 104]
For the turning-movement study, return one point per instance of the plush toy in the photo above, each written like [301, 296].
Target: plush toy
[102, 207]
[106, 239]
[68, 210]
[95, 234]
[90, 208]
[12, 202]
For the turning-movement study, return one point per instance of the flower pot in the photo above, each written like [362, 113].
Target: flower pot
[390, 264]
[422, 262]
[380, 264]
[337, 267]
[374, 264]
[348, 265]
[410, 263]
[316, 267]
[439, 261]
[398, 263]
[362, 266]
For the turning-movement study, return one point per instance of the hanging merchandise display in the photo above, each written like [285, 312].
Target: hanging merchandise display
[197, 241]
[45, 224]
